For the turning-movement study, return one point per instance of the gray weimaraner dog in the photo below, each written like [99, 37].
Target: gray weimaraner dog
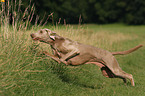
[74, 53]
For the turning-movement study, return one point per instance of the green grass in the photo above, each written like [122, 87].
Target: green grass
[26, 72]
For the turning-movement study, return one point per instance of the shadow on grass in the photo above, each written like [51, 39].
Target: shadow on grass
[64, 74]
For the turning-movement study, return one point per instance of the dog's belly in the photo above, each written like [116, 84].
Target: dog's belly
[80, 59]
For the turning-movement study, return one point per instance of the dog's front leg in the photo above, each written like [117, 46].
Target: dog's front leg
[52, 56]
[69, 55]
[55, 58]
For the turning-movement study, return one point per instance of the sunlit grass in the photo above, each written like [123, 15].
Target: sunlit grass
[25, 71]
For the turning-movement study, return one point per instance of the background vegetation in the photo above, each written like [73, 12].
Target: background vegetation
[86, 11]
[24, 71]
[91, 11]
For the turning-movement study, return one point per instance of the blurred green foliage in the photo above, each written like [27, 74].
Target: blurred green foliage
[91, 11]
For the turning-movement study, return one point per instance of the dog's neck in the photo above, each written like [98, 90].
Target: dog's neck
[58, 40]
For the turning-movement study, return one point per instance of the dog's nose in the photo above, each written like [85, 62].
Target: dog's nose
[32, 35]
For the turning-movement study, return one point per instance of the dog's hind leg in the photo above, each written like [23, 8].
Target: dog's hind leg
[113, 65]
[105, 70]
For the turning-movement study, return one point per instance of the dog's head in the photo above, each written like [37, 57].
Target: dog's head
[44, 35]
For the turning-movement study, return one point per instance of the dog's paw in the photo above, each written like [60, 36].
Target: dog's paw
[63, 61]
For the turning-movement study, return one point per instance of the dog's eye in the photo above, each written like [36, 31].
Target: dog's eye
[41, 32]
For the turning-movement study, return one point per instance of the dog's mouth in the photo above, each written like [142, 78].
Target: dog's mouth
[36, 38]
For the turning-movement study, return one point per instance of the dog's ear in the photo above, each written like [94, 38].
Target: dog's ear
[52, 37]
[51, 33]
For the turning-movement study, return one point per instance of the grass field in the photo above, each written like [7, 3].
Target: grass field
[25, 72]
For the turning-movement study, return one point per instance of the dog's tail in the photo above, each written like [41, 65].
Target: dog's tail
[127, 52]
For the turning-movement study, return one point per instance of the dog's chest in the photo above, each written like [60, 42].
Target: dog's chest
[60, 49]
[65, 47]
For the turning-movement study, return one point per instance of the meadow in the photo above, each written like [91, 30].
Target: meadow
[24, 71]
